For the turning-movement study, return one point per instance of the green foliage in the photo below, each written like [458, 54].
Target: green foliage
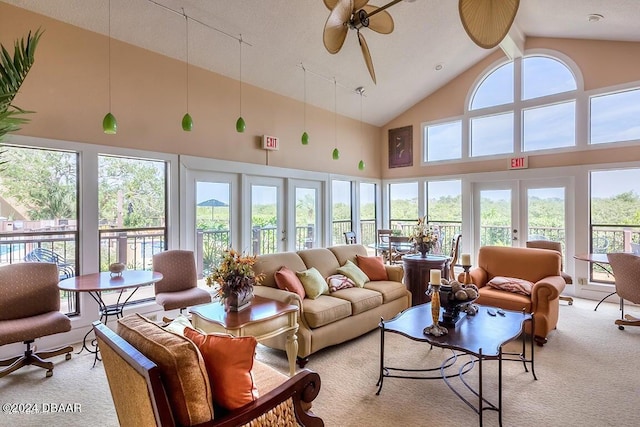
[621, 209]
[42, 181]
[13, 71]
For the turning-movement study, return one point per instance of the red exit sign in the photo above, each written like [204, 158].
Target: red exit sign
[519, 162]
[270, 142]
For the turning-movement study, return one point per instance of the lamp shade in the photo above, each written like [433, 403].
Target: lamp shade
[361, 165]
[109, 124]
[305, 138]
[240, 125]
[187, 123]
[335, 154]
[487, 22]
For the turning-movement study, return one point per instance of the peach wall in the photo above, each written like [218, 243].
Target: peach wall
[603, 64]
[68, 90]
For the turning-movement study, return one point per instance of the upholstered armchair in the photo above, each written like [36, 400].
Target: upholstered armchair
[178, 288]
[626, 270]
[540, 268]
[554, 246]
[30, 309]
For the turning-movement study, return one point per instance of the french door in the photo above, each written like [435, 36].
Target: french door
[509, 213]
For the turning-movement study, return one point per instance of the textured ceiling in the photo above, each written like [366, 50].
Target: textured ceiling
[282, 35]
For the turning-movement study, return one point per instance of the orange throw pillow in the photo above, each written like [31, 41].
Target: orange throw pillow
[373, 267]
[287, 280]
[229, 361]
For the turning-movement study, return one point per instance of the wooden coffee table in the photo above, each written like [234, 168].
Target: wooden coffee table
[479, 337]
[263, 319]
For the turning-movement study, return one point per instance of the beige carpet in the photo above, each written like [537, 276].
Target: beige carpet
[587, 376]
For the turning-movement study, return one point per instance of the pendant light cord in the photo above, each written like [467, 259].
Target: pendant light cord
[335, 113]
[109, 29]
[240, 41]
[186, 20]
[304, 110]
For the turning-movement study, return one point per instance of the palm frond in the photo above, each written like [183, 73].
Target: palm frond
[13, 71]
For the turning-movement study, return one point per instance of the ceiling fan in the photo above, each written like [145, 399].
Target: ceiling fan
[487, 22]
[355, 14]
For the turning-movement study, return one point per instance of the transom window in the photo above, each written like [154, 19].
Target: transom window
[506, 115]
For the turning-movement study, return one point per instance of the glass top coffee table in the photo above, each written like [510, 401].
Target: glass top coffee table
[479, 337]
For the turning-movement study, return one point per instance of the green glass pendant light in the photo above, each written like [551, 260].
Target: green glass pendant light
[110, 124]
[304, 139]
[335, 154]
[240, 123]
[361, 165]
[187, 123]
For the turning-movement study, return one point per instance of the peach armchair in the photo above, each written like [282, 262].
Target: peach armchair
[542, 268]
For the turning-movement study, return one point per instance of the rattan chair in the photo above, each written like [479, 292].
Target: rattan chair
[626, 270]
[30, 309]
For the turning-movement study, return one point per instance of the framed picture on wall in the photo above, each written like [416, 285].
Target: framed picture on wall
[401, 147]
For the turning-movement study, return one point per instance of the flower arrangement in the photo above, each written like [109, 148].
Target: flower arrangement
[234, 275]
[424, 235]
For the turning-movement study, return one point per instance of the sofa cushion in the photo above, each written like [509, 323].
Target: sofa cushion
[511, 284]
[324, 310]
[313, 282]
[389, 290]
[503, 299]
[346, 253]
[288, 280]
[321, 258]
[373, 267]
[339, 281]
[229, 361]
[354, 273]
[268, 264]
[361, 299]
[178, 324]
[183, 370]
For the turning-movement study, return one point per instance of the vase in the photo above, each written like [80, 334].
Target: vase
[238, 301]
[424, 249]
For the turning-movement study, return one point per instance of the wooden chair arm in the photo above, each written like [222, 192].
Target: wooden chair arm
[298, 391]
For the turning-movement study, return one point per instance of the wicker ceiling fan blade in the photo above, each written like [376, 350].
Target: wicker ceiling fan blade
[357, 4]
[336, 27]
[381, 22]
[367, 56]
[487, 22]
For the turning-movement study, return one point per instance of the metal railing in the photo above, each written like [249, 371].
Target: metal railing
[134, 247]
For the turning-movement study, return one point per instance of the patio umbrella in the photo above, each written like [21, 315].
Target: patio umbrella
[213, 203]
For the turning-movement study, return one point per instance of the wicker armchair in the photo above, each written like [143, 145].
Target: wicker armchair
[140, 394]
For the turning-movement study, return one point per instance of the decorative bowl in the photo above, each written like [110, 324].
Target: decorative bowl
[116, 269]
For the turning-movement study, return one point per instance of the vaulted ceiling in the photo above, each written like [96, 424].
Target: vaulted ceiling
[283, 36]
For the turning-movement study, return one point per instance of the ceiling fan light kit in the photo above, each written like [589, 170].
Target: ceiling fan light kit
[487, 22]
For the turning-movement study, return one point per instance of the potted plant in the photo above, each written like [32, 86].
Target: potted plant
[424, 236]
[235, 279]
[13, 71]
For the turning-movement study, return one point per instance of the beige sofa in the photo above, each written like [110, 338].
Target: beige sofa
[340, 316]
